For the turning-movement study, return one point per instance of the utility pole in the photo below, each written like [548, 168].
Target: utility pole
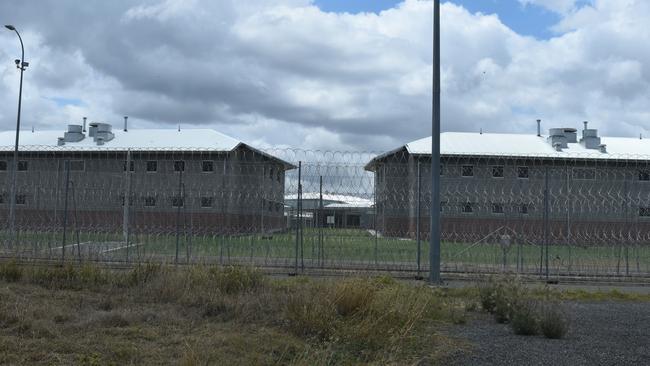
[434, 244]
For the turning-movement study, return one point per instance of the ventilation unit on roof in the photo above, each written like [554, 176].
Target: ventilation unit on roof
[590, 139]
[73, 134]
[101, 131]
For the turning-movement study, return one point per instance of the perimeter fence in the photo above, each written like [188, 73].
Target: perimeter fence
[319, 210]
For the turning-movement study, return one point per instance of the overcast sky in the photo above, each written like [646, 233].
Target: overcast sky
[329, 74]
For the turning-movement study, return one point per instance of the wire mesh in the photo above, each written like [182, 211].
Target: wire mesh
[349, 211]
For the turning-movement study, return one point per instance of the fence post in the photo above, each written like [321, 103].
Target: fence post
[546, 218]
[127, 201]
[298, 217]
[321, 251]
[417, 223]
[65, 207]
[178, 209]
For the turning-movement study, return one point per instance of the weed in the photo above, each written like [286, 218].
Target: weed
[553, 321]
[11, 271]
[525, 318]
[351, 296]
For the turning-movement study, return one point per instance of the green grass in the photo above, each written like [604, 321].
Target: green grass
[346, 247]
[198, 315]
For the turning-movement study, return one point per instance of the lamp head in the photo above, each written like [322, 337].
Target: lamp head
[17, 62]
[10, 27]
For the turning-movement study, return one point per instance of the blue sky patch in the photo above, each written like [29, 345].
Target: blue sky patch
[62, 102]
[529, 20]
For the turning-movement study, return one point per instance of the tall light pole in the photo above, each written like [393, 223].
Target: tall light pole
[21, 65]
[434, 244]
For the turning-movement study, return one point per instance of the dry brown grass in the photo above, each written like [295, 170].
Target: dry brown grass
[207, 315]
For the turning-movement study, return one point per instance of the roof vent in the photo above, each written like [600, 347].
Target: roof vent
[557, 137]
[60, 141]
[99, 140]
[74, 134]
[590, 139]
[603, 148]
[101, 131]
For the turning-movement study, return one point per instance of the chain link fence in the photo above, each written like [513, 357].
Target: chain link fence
[346, 211]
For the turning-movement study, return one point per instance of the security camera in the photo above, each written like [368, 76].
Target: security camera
[25, 64]
[17, 62]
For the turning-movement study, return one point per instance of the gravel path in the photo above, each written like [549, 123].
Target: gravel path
[603, 333]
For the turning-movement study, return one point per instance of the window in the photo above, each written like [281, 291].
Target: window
[131, 166]
[497, 208]
[442, 170]
[77, 165]
[584, 173]
[21, 199]
[644, 211]
[177, 201]
[3, 198]
[644, 175]
[522, 172]
[206, 202]
[279, 176]
[149, 201]
[467, 171]
[152, 166]
[3, 165]
[22, 165]
[179, 166]
[443, 204]
[271, 173]
[497, 171]
[467, 208]
[523, 209]
[130, 200]
[207, 166]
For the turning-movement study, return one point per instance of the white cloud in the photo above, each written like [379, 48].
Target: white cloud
[286, 73]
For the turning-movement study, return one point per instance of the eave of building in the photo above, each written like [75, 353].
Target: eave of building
[145, 140]
[521, 146]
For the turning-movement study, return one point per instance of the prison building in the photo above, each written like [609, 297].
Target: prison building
[331, 210]
[144, 180]
[560, 187]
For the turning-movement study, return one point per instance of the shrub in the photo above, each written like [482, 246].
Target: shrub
[11, 271]
[524, 318]
[553, 321]
[309, 314]
[498, 295]
[351, 296]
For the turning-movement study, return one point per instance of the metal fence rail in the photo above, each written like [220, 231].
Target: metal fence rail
[348, 211]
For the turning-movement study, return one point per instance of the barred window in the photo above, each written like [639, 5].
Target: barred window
[150, 201]
[77, 165]
[206, 202]
[467, 208]
[467, 171]
[497, 171]
[179, 166]
[177, 201]
[3, 165]
[131, 166]
[644, 175]
[522, 172]
[22, 165]
[523, 209]
[497, 208]
[152, 166]
[21, 199]
[644, 211]
[584, 173]
[207, 166]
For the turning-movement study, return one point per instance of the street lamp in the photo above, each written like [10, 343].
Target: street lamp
[22, 65]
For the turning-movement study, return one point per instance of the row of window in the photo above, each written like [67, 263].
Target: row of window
[207, 166]
[206, 202]
[496, 208]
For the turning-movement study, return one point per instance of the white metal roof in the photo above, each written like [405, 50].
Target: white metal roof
[524, 145]
[141, 139]
[336, 199]
[133, 139]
